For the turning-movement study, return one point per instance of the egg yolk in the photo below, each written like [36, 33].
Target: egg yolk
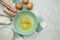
[25, 22]
[25, 26]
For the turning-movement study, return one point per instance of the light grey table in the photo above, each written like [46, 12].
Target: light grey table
[50, 11]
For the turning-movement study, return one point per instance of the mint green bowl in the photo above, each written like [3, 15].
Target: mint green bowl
[18, 29]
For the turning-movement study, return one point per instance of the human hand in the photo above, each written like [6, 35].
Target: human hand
[10, 8]
[8, 11]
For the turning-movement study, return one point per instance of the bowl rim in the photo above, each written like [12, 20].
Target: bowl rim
[35, 25]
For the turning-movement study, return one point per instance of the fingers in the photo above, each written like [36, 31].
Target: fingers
[9, 3]
[8, 11]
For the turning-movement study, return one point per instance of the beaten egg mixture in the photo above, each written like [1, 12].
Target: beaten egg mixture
[25, 23]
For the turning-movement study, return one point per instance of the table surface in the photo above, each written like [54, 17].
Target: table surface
[50, 11]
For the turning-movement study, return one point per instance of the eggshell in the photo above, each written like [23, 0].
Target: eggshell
[18, 6]
[29, 6]
[25, 1]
